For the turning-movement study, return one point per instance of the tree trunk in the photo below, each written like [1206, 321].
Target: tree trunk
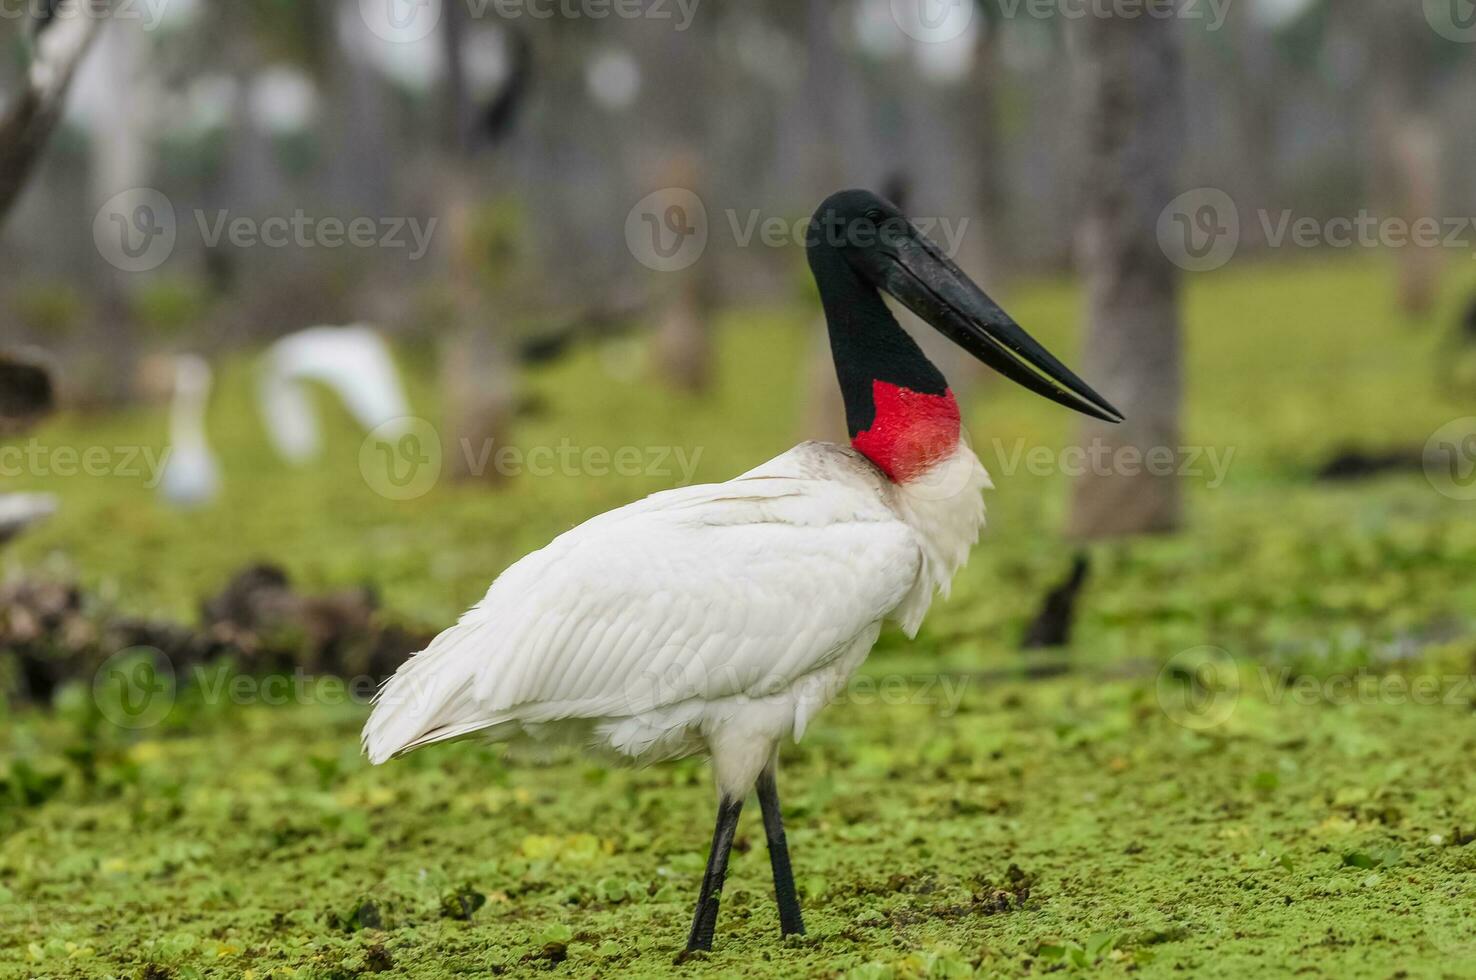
[1132, 81]
[357, 173]
[1406, 151]
[986, 259]
[1410, 144]
[827, 79]
[1257, 87]
[478, 378]
[687, 139]
[28, 121]
[683, 347]
[100, 371]
[684, 339]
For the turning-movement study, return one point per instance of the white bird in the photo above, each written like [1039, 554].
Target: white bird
[21, 511]
[354, 362]
[719, 619]
[191, 475]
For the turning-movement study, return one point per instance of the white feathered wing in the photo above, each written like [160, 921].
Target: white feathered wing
[689, 597]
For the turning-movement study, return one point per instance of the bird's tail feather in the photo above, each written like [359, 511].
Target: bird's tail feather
[429, 699]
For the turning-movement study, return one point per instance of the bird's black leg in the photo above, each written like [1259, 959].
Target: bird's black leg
[790, 921]
[705, 919]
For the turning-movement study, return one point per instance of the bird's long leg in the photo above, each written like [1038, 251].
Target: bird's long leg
[790, 921]
[705, 919]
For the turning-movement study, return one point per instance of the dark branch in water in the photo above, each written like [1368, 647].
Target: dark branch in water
[1052, 625]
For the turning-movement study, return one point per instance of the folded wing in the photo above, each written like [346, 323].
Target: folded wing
[700, 593]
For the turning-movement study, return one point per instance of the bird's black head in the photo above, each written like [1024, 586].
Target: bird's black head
[860, 226]
[859, 242]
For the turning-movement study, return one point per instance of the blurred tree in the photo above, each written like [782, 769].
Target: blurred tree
[359, 134]
[683, 69]
[1249, 70]
[829, 82]
[1405, 172]
[684, 331]
[987, 77]
[1390, 69]
[58, 46]
[1131, 80]
[478, 370]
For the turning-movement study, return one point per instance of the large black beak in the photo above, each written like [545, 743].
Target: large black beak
[913, 269]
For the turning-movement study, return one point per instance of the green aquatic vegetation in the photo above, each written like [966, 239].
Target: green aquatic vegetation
[1254, 758]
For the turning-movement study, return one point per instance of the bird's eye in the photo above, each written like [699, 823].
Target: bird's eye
[874, 215]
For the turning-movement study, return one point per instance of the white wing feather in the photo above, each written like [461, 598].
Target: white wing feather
[701, 593]
[355, 362]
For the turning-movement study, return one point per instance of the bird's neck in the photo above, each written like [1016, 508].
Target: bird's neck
[899, 409]
[187, 418]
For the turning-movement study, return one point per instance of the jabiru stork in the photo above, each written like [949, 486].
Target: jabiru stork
[719, 619]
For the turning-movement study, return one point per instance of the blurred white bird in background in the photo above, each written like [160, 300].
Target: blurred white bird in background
[191, 475]
[353, 361]
[21, 511]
